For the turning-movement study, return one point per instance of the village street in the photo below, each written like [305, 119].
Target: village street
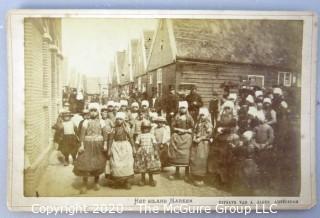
[59, 180]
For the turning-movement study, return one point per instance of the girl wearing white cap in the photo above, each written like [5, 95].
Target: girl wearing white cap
[277, 98]
[147, 157]
[145, 109]
[91, 159]
[249, 121]
[121, 153]
[104, 116]
[264, 136]
[134, 110]
[200, 147]
[269, 113]
[124, 109]
[181, 140]
[245, 171]
[162, 134]
[110, 111]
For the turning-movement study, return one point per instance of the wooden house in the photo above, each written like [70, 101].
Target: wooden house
[210, 53]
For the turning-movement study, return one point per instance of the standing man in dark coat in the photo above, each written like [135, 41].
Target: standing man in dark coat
[170, 104]
[155, 101]
[195, 103]
[214, 106]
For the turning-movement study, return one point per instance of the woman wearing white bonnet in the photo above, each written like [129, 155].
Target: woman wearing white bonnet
[181, 140]
[200, 148]
[121, 152]
[228, 107]
[270, 114]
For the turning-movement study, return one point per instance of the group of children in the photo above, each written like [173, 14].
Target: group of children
[128, 141]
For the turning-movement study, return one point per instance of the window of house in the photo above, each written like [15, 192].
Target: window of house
[285, 78]
[150, 79]
[144, 87]
[159, 81]
[256, 80]
[159, 75]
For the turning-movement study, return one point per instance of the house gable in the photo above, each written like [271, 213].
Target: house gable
[162, 49]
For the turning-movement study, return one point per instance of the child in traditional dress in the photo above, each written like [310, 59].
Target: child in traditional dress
[225, 139]
[269, 113]
[110, 111]
[70, 143]
[104, 116]
[91, 160]
[121, 153]
[136, 127]
[125, 110]
[181, 140]
[86, 116]
[145, 109]
[263, 142]
[134, 110]
[200, 148]
[245, 170]
[162, 135]
[147, 156]
[108, 124]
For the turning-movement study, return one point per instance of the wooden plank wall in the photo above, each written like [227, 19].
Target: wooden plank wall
[208, 77]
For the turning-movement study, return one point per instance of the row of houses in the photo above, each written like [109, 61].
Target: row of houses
[209, 53]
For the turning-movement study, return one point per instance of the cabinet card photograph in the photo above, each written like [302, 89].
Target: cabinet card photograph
[161, 108]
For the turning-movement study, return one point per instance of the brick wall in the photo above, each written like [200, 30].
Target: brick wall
[42, 84]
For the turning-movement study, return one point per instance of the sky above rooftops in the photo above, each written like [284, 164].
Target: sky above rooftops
[91, 44]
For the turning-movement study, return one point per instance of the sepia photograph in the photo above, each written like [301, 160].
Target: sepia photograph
[158, 106]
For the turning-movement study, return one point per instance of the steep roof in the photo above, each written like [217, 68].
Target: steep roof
[147, 39]
[122, 67]
[276, 43]
[263, 42]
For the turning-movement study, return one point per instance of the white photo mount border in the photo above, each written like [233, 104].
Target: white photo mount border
[15, 198]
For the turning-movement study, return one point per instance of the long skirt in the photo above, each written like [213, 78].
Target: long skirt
[179, 149]
[69, 145]
[121, 161]
[199, 159]
[92, 161]
[213, 161]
